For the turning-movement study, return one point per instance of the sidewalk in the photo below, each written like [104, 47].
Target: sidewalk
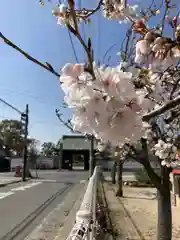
[134, 216]
[58, 224]
[9, 180]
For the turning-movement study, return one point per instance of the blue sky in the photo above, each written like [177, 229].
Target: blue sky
[34, 29]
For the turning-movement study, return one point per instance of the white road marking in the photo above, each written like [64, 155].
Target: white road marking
[14, 190]
[48, 180]
[22, 188]
[5, 194]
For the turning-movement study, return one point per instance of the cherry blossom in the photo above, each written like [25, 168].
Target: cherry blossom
[64, 15]
[155, 51]
[116, 10]
[61, 14]
[167, 152]
[107, 104]
[108, 107]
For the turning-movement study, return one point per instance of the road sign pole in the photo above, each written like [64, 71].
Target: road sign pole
[25, 144]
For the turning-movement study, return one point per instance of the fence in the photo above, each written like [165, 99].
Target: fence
[85, 226]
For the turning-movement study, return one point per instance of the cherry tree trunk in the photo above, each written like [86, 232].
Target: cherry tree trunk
[164, 224]
[119, 192]
[164, 214]
[113, 173]
[162, 183]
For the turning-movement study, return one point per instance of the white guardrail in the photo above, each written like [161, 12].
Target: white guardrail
[85, 226]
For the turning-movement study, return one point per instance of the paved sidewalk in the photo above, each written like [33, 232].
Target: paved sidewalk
[9, 180]
[135, 215]
[58, 224]
[122, 224]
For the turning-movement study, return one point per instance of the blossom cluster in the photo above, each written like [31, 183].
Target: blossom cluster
[155, 51]
[116, 10]
[167, 152]
[109, 104]
[118, 153]
[64, 15]
[108, 107]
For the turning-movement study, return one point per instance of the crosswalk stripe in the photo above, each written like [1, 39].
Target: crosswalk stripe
[5, 194]
[22, 188]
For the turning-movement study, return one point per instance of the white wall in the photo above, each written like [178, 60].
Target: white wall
[76, 144]
[16, 162]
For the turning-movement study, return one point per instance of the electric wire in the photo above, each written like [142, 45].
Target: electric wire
[99, 38]
[11, 106]
[27, 94]
[73, 47]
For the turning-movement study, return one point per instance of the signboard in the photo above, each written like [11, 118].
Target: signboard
[76, 143]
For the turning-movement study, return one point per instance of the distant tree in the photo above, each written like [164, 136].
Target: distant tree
[33, 151]
[48, 149]
[11, 137]
[58, 145]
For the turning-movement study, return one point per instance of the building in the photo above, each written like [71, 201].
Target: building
[75, 150]
[175, 180]
[4, 160]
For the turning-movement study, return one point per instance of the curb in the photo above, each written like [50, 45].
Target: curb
[6, 184]
[12, 182]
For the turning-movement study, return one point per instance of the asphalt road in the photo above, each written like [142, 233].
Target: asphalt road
[24, 205]
[71, 176]
[21, 202]
[62, 176]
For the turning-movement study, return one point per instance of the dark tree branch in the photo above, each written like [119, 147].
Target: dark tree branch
[142, 156]
[88, 47]
[46, 66]
[96, 9]
[67, 124]
[146, 163]
[169, 105]
[174, 115]
[166, 3]
[174, 88]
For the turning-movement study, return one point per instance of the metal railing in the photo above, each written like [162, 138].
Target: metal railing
[85, 226]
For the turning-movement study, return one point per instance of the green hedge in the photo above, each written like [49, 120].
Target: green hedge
[141, 176]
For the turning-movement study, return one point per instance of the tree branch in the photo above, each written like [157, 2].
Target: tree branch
[146, 163]
[174, 115]
[67, 124]
[166, 3]
[88, 48]
[96, 9]
[169, 105]
[46, 66]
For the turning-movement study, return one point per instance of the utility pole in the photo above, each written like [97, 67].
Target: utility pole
[24, 120]
[92, 162]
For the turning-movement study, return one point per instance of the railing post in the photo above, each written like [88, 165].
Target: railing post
[93, 233]
[86, 216]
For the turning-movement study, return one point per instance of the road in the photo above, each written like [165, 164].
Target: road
[24, 205]
[70, 176]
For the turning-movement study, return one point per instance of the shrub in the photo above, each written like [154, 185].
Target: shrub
[141, 176]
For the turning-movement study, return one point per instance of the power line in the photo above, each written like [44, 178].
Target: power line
[83, 28]
[18, 111]
[28, 94]
[73, 48]
[99, 37]
[11, 106]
